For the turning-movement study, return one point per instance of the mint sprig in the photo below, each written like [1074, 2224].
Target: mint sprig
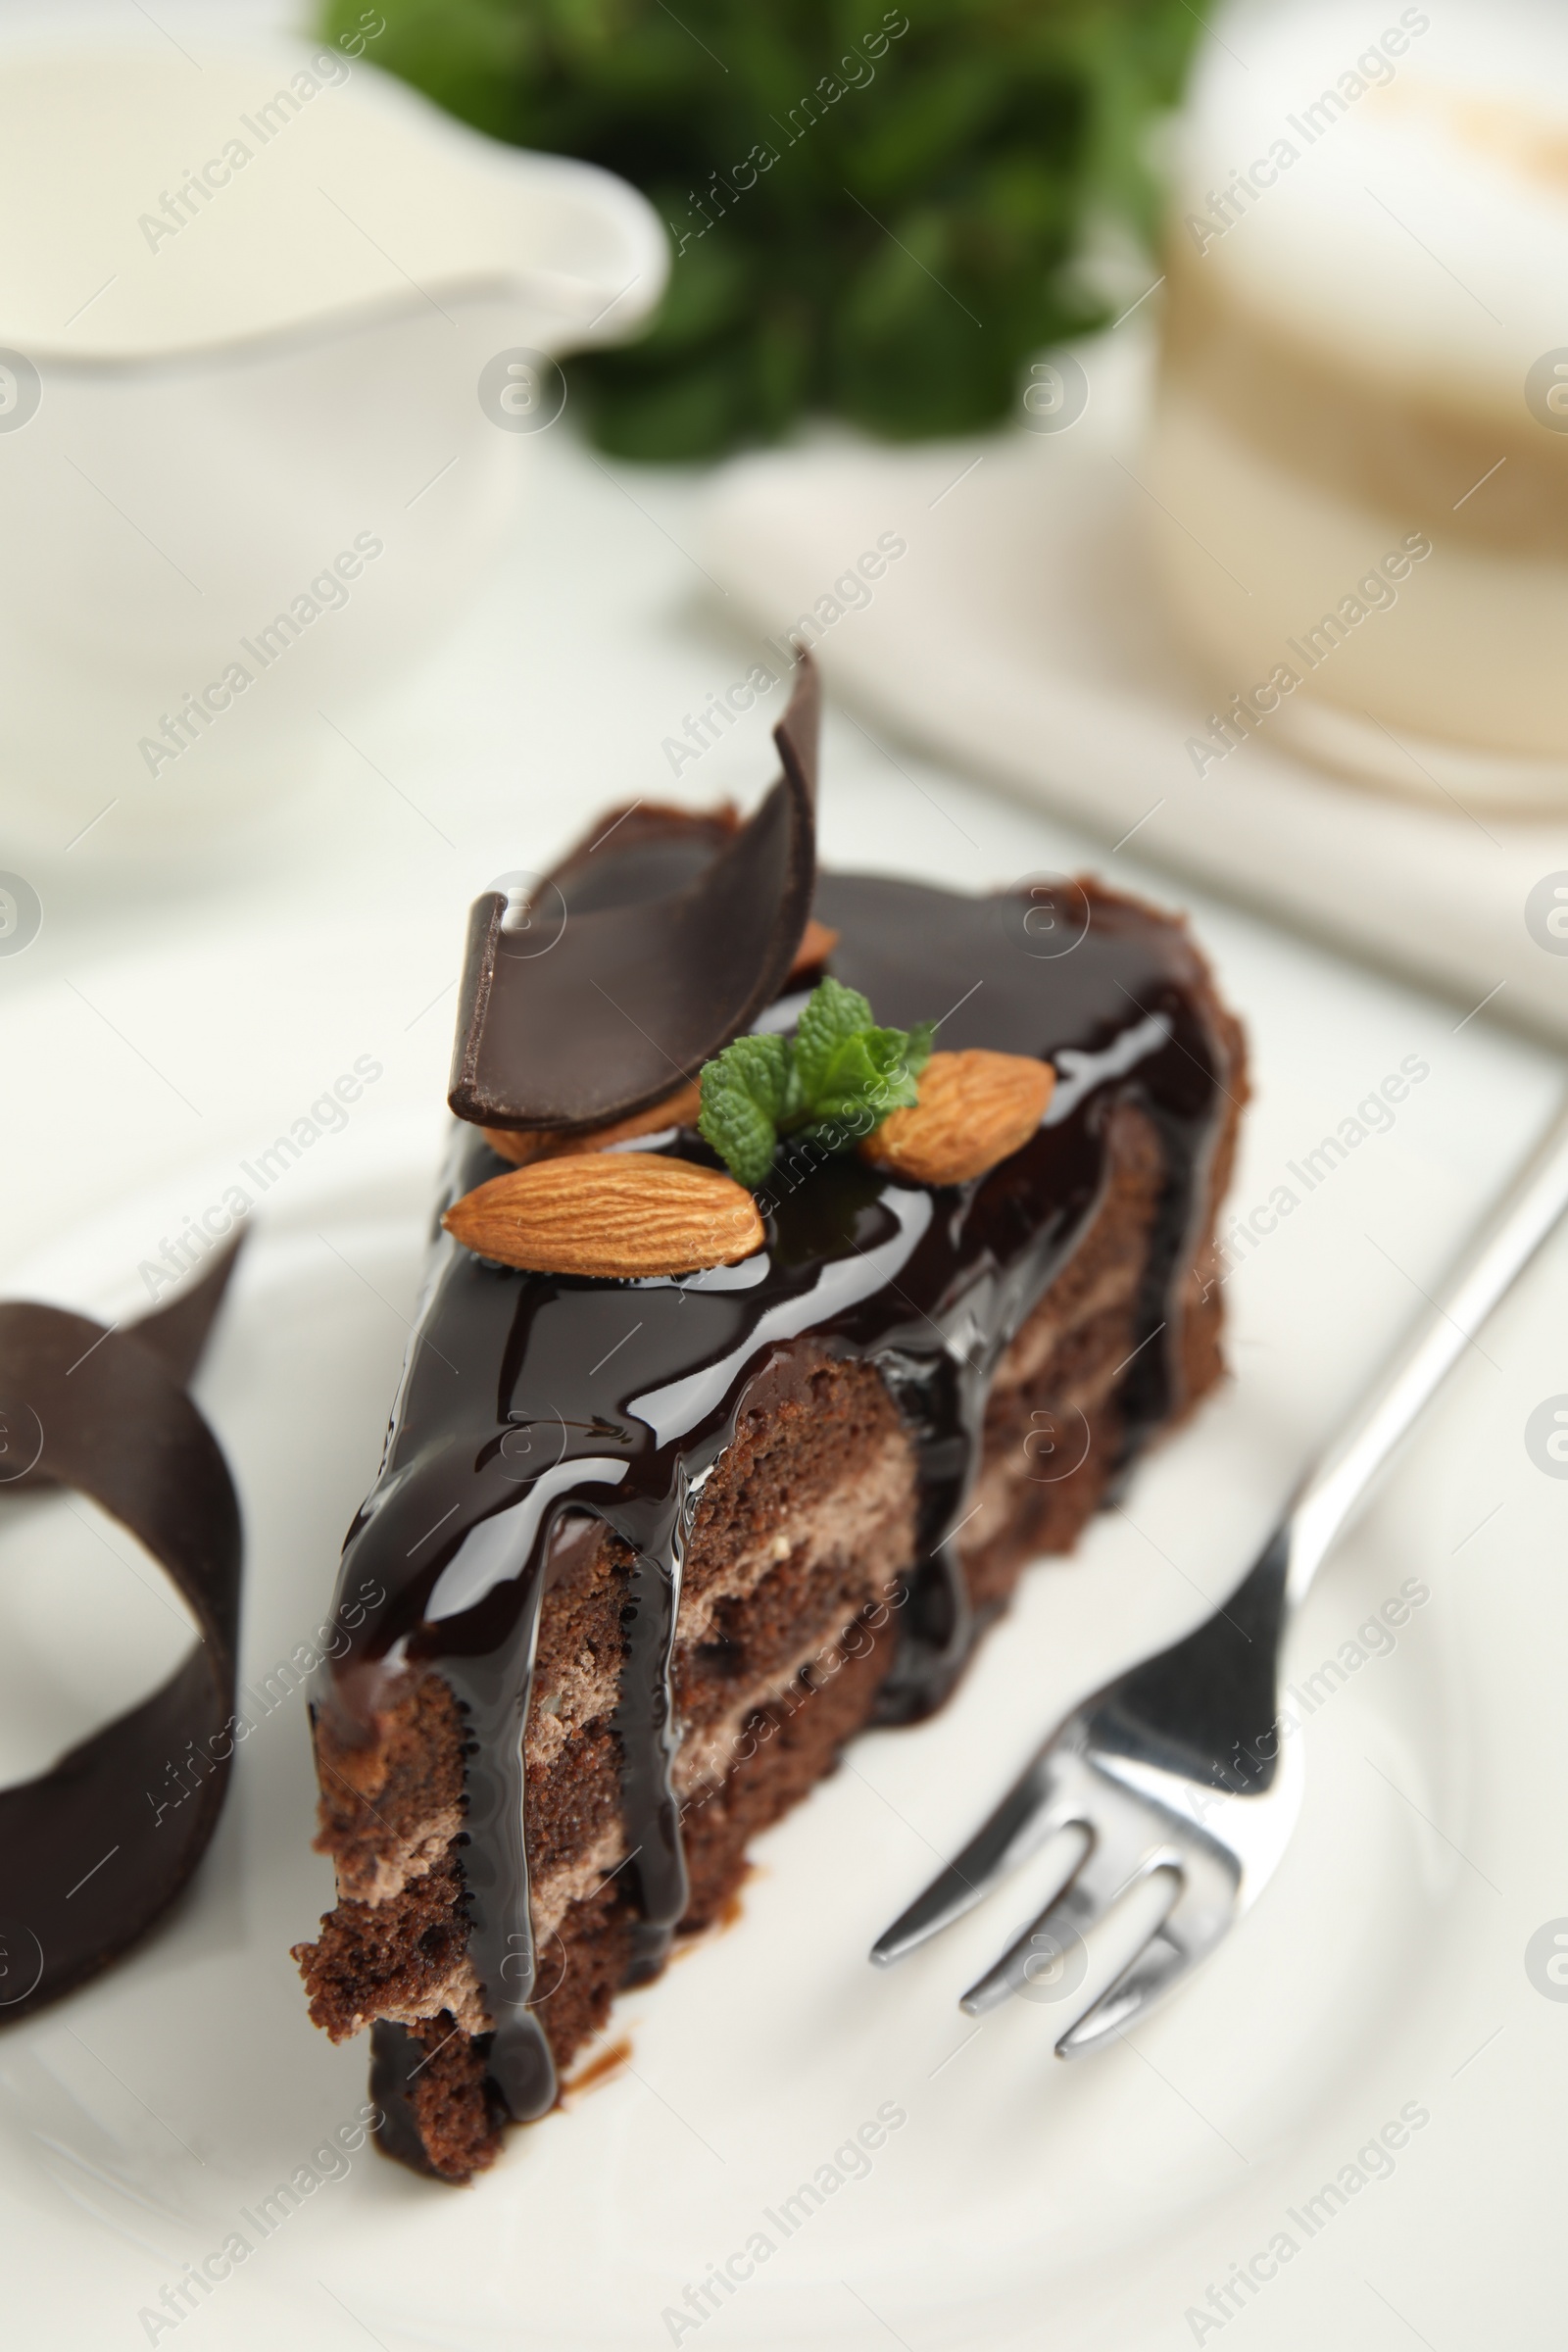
[835, 1080]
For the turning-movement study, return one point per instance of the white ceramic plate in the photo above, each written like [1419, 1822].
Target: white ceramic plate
[1019, 2200]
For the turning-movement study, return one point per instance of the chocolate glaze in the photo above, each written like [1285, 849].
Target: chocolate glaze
[96, 1848]
[527, 1395]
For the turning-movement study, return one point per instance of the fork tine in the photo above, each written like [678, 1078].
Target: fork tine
[1156, 1970]
[1086, 1894]
[1205, 1905]
[1019, 1825]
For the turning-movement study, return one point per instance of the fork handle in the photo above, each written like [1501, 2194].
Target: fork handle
[1485, 1272]
[1207, 1707]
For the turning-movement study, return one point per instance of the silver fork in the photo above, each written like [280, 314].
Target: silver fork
[1177, 1770]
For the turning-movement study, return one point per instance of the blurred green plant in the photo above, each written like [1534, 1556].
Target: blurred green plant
[875, 211]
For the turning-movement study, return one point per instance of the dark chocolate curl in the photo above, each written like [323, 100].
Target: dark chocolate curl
[178, 1331]
[94, 1850]
[597, 1010]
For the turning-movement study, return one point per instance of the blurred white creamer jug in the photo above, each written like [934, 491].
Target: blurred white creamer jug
[277, 343]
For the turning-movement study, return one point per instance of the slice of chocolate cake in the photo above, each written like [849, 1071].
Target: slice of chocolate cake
[646, 1548]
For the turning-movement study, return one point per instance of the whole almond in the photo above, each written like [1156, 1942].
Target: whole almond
[975, 1108]
[521, 1146]
[609, 1213]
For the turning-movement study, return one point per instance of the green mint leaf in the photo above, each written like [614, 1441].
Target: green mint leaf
[745, 1094]
[917, 1047]
[868, 1076]
[894, 1070]
[762, 1063]
[832, 1016]
[849, 1072]
[838, 1078]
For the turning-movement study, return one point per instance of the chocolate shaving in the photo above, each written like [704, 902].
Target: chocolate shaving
[98, 1848]
[583, 1010]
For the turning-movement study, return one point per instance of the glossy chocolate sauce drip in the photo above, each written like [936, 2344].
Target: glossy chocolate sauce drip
[530, 1395]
